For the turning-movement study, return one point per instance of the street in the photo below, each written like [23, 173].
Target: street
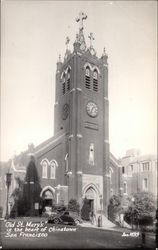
[71, 237]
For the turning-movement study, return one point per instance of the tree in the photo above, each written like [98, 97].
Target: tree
[32, 188]
[114, 207]
[141, 210]
[74, 206]
[85, 210]
[18, 197]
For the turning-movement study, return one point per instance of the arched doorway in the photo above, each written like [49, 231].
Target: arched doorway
[48, 196]
[90, 195]
[91, 199]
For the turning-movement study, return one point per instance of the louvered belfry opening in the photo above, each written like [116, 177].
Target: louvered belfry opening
[87, 78]
[95, 81]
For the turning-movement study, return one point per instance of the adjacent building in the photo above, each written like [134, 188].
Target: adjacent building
[139, 173]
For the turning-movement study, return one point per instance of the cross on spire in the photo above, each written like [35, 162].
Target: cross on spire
[82, 16]
[67, 42]
[91, 38]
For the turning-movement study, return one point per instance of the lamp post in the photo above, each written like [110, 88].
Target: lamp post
[133, 199]
[8, 182]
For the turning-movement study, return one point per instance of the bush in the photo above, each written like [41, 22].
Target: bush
[85, 211]
[142, 210]
[114, 207]
[1, 211]
[74, 206]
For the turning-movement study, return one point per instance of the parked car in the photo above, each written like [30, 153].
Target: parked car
[62, 218]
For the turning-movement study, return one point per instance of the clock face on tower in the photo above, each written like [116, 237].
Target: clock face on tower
[92, 109]
[65, 111]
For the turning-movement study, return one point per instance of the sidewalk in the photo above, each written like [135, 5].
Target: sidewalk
[114, 228]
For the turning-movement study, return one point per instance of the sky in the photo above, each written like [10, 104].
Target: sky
[33, 34]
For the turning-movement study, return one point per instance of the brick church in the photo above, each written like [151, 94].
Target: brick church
[76, 161]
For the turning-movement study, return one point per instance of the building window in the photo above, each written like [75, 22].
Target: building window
[131, 168]
[68, 80]
[44, 164]
[52, 169]
[87, 78]
[110, 174]
[145, 184]
[125, 187]
[95, 81]
[91, 154]
[63, 84]
[123, 170]
[145, 166]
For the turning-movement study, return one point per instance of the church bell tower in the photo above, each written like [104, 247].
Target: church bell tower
[82, 113]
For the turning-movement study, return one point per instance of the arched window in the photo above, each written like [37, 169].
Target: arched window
[87, 78]
[63, 84]
[87, 71]
[52, 169]
[68, 80]
[95, 80]
[44, 164]
[125, 187]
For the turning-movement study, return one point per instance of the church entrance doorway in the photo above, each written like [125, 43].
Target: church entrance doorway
[90, 195]
[90, 203]
[48, 200]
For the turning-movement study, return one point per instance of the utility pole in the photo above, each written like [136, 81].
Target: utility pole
[8, 182]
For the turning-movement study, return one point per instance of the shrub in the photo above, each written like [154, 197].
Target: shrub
[114, 207]
[74, 206]
[142, 210]
[1, 211]
[85, 210]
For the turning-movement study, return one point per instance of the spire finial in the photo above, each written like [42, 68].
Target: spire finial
[67, 42]
[59, 60]
[82, 16]
[91, 38]
[104, 52]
